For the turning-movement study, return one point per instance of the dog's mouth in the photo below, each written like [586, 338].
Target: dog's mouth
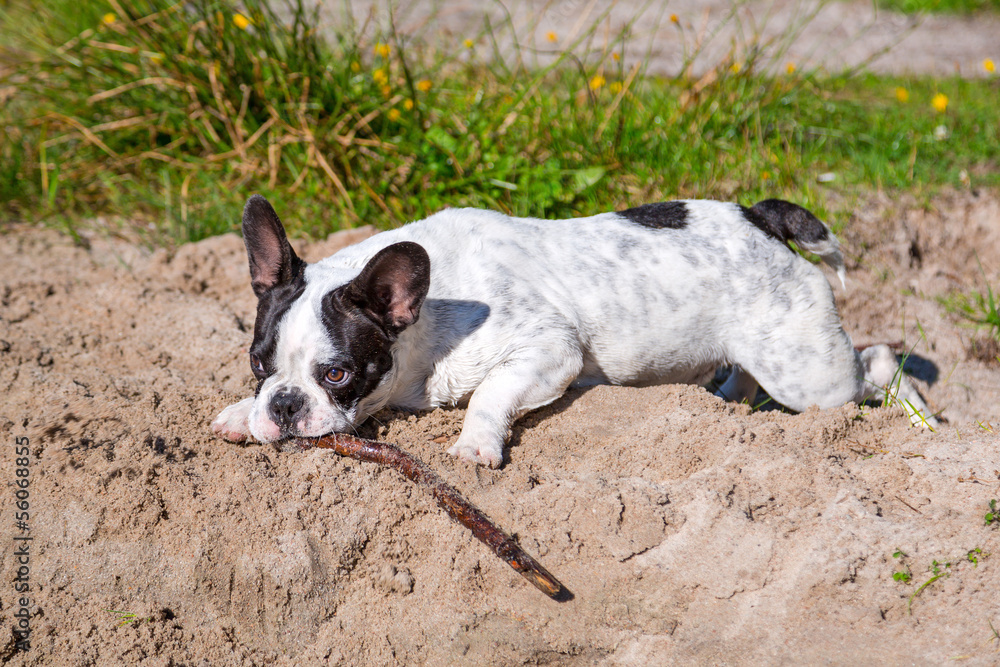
[288, 413]
[316, 424]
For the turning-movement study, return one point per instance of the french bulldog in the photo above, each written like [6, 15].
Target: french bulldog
[504, 314]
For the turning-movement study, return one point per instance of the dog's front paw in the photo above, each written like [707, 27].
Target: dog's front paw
[478, 450]
[232, 423]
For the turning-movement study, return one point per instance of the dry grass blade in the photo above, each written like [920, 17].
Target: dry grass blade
[150, 81]
[86, 132]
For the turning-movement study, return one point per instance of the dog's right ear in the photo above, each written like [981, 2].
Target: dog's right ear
[273, 263]
[392, 286]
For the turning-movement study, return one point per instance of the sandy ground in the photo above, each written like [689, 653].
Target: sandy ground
[687, 529]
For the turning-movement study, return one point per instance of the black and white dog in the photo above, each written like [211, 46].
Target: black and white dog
[506, 313]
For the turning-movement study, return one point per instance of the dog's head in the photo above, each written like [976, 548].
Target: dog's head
[322, 339]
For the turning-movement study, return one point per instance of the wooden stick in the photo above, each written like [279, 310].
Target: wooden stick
[449, 499]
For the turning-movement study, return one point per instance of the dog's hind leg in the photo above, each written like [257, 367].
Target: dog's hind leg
[789, 336]
[828, 372]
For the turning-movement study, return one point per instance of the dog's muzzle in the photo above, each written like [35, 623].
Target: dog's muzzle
[285, 407]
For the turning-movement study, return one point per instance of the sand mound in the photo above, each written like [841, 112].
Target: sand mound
[686, 528]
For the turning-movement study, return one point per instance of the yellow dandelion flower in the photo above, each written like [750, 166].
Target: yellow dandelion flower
[386, 91]
[674, 19]
[597, 82]
[382, 50]
[468, 43]
[790, 68]
[989, 66]
[940, 102]
[903, 95]
[764, 175]
[736, 67]
[408, 105]
[393, 115]
[241, 21]
[551, 36]
[615, 87]
[355, 66]
[615, 57]
[424, 85]
[380, 77]
[108, 18]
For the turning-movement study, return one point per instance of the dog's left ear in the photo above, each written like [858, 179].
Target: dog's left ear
[392, 286]
[273, 263]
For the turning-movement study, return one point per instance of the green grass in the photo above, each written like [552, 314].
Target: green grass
[173, 115]
[940, 6]
[127, 617]
[979, 309]
[937, 569]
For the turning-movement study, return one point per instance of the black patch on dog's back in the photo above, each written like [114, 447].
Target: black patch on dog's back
[661, 215]
[786, 221]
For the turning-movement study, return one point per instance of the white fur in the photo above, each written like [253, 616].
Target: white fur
[519, 309]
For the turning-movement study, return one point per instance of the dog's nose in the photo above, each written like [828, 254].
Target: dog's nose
[285, 405]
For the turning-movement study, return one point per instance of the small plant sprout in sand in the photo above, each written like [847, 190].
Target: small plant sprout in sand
[938, 570]
[992, 518]
[902, 576]
[127, 617]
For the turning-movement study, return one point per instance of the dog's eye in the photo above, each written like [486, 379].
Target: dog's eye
[256, 365]
[336, 376]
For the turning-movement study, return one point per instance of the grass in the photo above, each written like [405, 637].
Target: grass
[171, 116]
[940, 6]
[938, 570]
[903, 576]
[981, 310]
[127, 617]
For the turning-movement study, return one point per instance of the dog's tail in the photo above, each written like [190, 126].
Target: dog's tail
[789, 222]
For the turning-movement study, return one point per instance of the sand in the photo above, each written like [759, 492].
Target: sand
[686, 528]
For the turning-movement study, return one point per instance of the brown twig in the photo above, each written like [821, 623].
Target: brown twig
[449, 499]
[908, 505]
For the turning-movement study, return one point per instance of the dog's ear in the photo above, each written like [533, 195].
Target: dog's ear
[273, 263]
[392, 286]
